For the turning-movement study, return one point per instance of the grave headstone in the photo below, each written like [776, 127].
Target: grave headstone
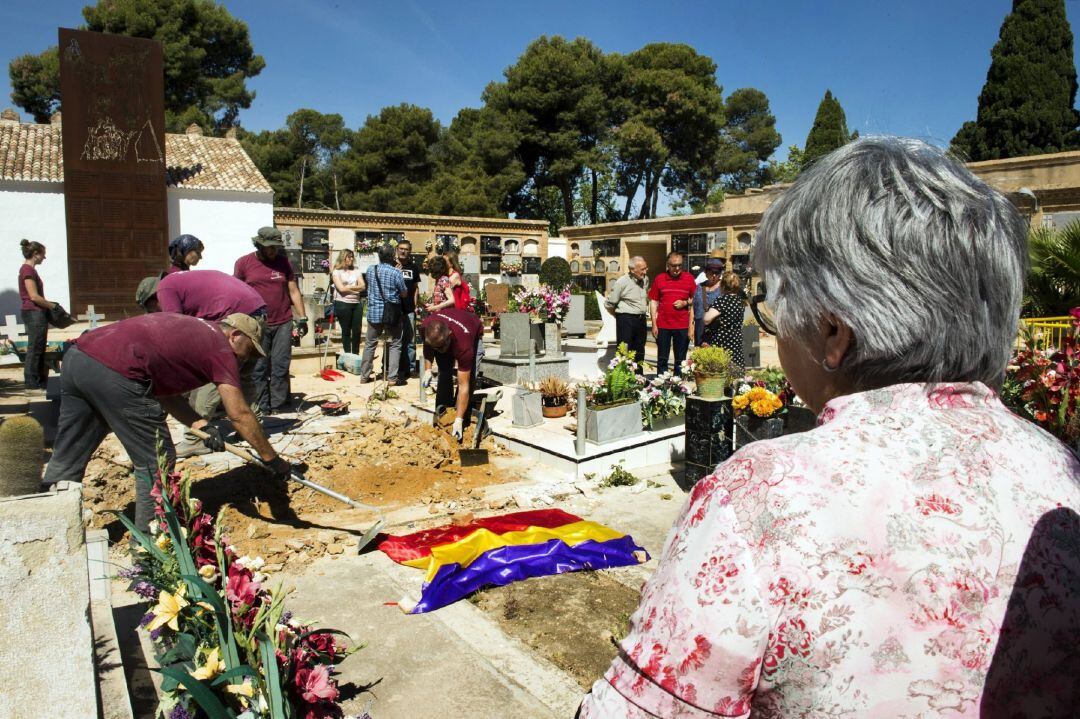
[751, 347]
[575, 317]
[515, 332]
[498, 297]
[11, 328]
[470, 264]
[91, 316]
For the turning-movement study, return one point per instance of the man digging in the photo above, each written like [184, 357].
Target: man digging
[453, 336]
[213, 296]
[125, 377]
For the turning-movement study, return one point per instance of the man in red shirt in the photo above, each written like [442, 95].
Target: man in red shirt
[268, 271]
[453, 336]
[126, 376]
[671, 300]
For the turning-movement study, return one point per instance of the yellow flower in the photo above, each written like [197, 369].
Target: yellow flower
[211, 667]
[740, 402]
[168, 610]
[208, 572]
[162, 542]
[244, 690]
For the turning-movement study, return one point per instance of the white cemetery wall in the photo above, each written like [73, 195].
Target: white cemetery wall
[35, 211]
[557, 247]
[224, 221]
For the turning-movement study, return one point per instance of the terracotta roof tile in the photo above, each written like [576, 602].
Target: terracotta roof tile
[33, 153]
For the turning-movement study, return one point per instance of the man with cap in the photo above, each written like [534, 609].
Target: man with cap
[453, 337]
[185, 251]
[269, 273]
[126, 376]
[209, 295]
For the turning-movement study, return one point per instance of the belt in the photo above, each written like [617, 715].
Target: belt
[630, 314]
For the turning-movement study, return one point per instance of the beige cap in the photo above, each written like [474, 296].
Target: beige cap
[249, 326]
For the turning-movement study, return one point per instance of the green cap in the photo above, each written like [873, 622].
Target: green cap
[269, 237]
[146, 291]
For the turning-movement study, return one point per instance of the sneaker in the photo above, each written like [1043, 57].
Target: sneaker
[191, 447]
[401, 382]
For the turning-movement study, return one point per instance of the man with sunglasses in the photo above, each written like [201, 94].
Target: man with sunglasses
[671, 299]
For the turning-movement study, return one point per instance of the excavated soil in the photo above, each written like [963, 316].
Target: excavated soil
[382, 462]
[569, 619]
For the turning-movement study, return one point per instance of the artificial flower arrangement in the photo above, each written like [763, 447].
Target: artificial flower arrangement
[226, 646]
[544, 304]
[662, 398]
[325, 265]
[621, 383]
[430, 244]
[369, 245]
[512, 269]
[1043, 385]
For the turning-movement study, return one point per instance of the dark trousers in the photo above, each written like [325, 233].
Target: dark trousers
[408, 346]
[349, 315]
[271, 373]
[35, 372]
[445, 391]
[665, 339]
[631, 330]
[94, 400]
[371, 339]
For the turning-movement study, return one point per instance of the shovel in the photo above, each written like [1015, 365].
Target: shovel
[295, 476]
[476, 456]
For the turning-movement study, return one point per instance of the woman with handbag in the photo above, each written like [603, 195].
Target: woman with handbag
[35, 310]
[708, 291]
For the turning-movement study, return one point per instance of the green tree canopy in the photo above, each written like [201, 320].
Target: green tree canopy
[750, 139]
[555, 272]
[208, 59]
[1026, 105]
[829, 132]
[1053, 284]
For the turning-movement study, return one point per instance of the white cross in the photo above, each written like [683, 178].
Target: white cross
[11, 328]
[92, 316]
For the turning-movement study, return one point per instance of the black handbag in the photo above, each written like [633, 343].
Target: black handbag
[391, 313]
[58, 317]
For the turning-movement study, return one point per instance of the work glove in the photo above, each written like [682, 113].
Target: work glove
[428, 377]
[301, 327]
[458, 431]
[214, 441]
[279, 468]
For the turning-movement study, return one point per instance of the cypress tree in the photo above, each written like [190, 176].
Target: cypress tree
[1026, 105]
[829, 132]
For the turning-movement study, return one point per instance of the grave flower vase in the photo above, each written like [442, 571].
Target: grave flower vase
[554, 407]
[610, 424]
[710, 386]
[659, 425]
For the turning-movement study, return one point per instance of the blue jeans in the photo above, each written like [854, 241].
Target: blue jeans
[664, 341]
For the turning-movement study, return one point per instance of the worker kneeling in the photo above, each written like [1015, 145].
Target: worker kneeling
[124, 377]
[453, 336]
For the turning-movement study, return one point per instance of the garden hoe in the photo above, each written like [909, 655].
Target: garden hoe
[295, 476]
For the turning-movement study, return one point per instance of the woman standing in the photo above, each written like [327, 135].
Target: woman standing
[349, 283]
[442, 295]
[708, 290]
[34, 309]
[724, 320]
[185, 252]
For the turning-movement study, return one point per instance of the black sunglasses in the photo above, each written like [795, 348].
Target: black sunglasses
[761, 313]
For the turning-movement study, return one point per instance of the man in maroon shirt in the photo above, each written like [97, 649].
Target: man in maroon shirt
[126, 376]
[453, 336]
[268, 271]
[671, 299]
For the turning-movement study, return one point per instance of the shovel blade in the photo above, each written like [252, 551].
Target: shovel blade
[473, 457]
[369, 536]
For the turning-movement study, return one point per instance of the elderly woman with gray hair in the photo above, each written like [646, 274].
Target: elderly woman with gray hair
[909, 555]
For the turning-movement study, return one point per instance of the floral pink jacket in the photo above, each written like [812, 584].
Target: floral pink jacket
[909, 557]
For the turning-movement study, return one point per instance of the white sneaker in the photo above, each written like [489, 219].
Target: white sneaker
[191, 447]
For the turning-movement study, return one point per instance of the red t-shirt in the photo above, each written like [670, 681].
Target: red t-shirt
[666, 290]
[466, 329]
[26, 272]
[176, 353]
[207, 294]
[271, 280]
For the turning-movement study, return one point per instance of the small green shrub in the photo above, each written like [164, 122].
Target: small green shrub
[711, 361]
[555, 273]
[619, 477]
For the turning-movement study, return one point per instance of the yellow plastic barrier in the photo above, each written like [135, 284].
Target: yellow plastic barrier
[1045, 332]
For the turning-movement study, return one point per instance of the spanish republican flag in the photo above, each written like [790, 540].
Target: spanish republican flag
[459, 559]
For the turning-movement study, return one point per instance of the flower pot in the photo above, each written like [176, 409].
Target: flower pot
[659, 425]
[710, 386]
[554, 407]
[610, 424]
[751, 428]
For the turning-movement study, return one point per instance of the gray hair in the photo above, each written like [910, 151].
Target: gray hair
[921, 259]
[634, 260]
[387, 254]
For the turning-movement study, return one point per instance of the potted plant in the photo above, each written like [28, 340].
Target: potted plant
[613, 405]
[765, 407]
[663, 402]
[712, 368]
[554, 396]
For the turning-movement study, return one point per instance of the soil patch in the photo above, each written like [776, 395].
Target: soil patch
[569, 619]
[388, 463]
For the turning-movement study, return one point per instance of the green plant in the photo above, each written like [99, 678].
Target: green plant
[713, 361]
[552, 387]
[619, 385]
[555, 273]
[22, 447]
[1053, 286]
[619, 477]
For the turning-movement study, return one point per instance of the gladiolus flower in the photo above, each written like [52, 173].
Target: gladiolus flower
[168, 609]
[243, 690]
[211, 667]
[314, 684]
[208, 572]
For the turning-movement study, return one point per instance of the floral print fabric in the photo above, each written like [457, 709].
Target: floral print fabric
[909, 557]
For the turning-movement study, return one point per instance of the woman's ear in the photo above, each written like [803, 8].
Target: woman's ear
[838, 341]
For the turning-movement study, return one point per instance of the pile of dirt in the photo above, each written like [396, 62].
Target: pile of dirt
[388, 463]
[569, 619]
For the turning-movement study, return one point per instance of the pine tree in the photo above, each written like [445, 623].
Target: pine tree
[829, 132]
[1026, 105]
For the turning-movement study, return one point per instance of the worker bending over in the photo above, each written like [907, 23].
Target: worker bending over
[126, 376]
[453, 336]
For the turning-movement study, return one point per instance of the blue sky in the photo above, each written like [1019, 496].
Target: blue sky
[908, 67]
